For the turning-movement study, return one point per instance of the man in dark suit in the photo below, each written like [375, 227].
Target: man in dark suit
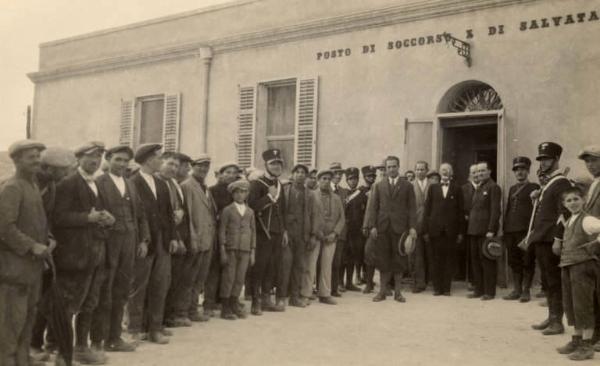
[391, 211]
[484, 222]
[125, 239]
[545, 232]
[152, 270]
[369, 173]
[80, 222]
[516, 224]
[267, 200]
[443, 225]
[356, 205]
[465, 271]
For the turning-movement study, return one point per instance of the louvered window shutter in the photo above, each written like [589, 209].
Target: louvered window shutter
[126, 132]
[171, 122]
[306, 121]
[246, 126]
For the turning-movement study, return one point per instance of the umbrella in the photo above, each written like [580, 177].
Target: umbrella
[58, 319]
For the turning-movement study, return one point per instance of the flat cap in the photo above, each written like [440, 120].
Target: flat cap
[352, 173]
[592, 150]
[300, 166]
[324, 172]
[89, 148]
[144, 151]
[202, 159]
[23, 145]
[521, 162]
[272, 155]
[183, 158]
[368, 170]
[335, 167]
[238, 184]
[313, 172]
[119, 149]
[59, 157]
[550, 150]
[228, 164]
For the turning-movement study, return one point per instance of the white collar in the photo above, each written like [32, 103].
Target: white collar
[85, 175]
[116, 177]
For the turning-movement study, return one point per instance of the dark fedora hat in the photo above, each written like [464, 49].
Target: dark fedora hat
[492, 248]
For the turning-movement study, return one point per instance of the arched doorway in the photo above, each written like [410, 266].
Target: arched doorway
[470, 128]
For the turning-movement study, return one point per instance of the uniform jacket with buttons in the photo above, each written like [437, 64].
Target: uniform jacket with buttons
[519, 207]
[237, 232]
[355, 210]
[271, 214]
[485, 209]
[548, 210]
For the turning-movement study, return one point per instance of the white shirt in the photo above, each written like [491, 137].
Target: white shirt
[89, 179]
[119, 182]
[393, 181]
[179, 191]
[422, 184]
[592, 189]
[590, 224]
[445, 188]
[241, 207]
[150, 182]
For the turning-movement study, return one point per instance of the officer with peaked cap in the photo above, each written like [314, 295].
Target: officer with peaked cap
[356, 204]
[516, 223]
[544, 233]
[267, 200]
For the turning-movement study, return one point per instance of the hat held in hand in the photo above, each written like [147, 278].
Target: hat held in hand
[406, 244]
[492, 248]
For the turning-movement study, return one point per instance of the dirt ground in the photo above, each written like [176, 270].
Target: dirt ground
[426, 330]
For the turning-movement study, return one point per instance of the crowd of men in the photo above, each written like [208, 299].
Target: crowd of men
[138, 246]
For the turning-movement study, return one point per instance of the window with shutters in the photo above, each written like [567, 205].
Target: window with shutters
[151, 119]
[279, 114]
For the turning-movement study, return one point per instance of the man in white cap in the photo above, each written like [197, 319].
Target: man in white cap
[23, 248]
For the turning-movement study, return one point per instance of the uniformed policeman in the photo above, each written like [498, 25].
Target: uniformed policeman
[356, 204]
[267, 200]
[545, 231]
[516, 223]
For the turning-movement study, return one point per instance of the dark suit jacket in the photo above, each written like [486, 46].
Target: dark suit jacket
[355, 210]
[444, 214]
[391, 208]
[485, 210]
[310, 217]
[547, 212]
[80, 244]
[519, 208]
[343, 193]
[112, 196]
[158, 211]
[467, 192]
[592, 205]
[237, 232]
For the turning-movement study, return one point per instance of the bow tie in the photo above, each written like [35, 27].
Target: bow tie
[445, 184]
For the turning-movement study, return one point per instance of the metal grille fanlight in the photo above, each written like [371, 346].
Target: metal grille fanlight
[476, 98]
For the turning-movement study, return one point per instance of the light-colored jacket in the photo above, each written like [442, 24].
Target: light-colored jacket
[420, 198]
[201, 213]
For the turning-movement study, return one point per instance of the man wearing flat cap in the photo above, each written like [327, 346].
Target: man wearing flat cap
[56, 163]
[391, 211]
[311, 180]
[227, 174]
[202, 217]
[23, 249]
[516, 224]
[152, 269]
[302, 223]
[127, 237]
[591, 156]
[80, 227]
[185, 166]
[267, 200]
[545, 233]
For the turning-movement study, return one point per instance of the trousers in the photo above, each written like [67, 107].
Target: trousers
[485, 270]
[265, 269]
[233, 274]
[291, 269]
[326, 259]
[548, 262]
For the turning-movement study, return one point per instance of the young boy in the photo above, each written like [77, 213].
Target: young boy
[579, 274]
[237, 238]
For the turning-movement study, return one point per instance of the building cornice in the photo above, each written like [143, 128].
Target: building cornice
[318, 28]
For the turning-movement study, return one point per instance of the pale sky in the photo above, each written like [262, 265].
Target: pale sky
[24, 24]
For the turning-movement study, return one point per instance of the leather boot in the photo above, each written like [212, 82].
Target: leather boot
[226, 311]
[516, 292]
[237, 308]
[585, 351]
[570, 347]
[266, 303]
[397, 288]
[526, 293]
[541, 326]
[157, 337]
[555, 327]
[385, 279]
[280, 305]
[256, 308]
